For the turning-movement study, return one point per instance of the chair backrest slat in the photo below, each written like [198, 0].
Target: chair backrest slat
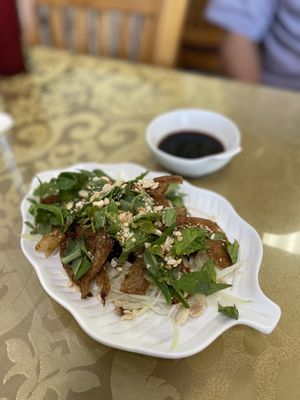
[151, 7]
[124, 35]
[56, 24]
[80, 30]
[103, 30]
[146, 42]
[169, 27]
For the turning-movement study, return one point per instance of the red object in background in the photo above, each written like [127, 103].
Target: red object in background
[11, 54]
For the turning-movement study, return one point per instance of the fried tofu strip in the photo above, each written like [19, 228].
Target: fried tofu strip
[102, 281]
[50, 242]
[217, 250]
[135, 282]
[158, 194]
[218, 253]
[53, 198]
[100, 245]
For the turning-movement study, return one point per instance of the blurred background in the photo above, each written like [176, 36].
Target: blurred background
[252, 41]
[198, 44]
[201, 41]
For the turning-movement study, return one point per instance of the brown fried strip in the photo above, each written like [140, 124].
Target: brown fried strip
[135, 282]
[53, 198]
[212, 226]
[102, 281]
[158, 194]
[50, 242]
[218, 253]
[217, 250]
[100, 245]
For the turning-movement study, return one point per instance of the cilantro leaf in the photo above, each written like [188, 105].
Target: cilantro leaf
[230, 311]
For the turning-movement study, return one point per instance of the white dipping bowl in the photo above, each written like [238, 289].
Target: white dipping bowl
[214, 124]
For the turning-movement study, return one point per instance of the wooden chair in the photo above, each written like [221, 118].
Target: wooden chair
[153, 26]
[201, 41]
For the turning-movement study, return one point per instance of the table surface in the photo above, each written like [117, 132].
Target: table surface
[72, 109]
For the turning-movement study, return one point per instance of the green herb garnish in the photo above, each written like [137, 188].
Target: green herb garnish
[193, 239]
[174, 196]
[233, 250]
[77, 257]
[203, 281]
[230, 311]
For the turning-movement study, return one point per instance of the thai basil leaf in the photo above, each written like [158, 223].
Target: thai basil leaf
[75, 264]
[193, 239]
[146, 226]
[174, 196]
[49, 214]
[133, 244]
[209, 269]
[72, 252]
[46, 188]
[112, 221]
[84, 268]
[218, 236]
[154, 273]
[233, 250]
[199, 282]
[167, 232]
[169, 216]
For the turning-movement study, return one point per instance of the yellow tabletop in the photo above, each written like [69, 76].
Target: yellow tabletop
[72, 109]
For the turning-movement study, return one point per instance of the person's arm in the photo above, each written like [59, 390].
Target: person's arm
[241, 58]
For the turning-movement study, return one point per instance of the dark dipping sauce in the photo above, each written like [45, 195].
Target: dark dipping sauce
[191, 144]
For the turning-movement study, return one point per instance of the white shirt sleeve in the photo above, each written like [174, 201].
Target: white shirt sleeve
[249, 18]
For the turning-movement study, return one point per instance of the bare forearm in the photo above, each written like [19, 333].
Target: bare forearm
[240, 58]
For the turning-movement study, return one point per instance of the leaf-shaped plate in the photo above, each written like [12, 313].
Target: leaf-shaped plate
[151, 333]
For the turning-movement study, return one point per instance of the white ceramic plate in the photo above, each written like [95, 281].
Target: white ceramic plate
[152, 334]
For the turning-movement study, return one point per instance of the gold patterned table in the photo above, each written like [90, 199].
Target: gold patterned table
[71, 109]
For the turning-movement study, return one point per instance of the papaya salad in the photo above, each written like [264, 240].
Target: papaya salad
[133, 243]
